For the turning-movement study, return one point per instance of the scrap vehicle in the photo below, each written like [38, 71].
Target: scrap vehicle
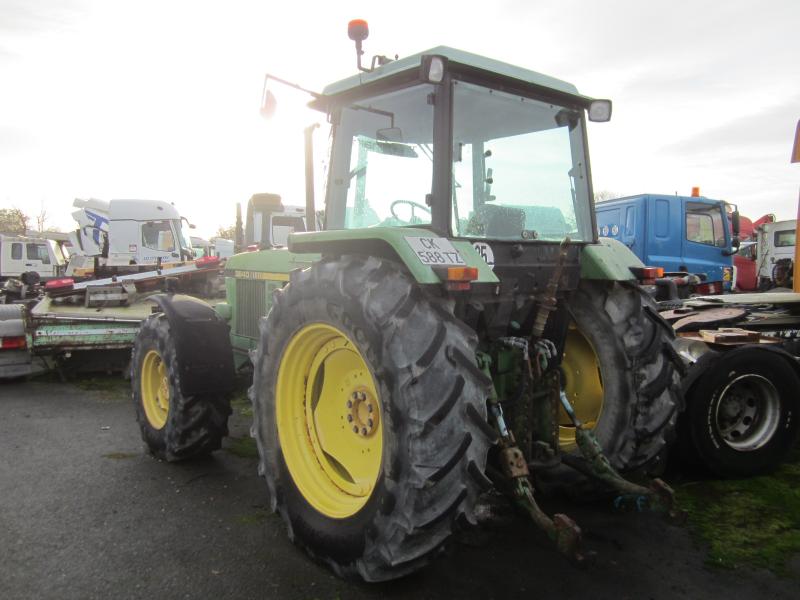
[216, 246]
[455, 326]
[745, 272]
[692, 238]
[91, 323]
[41, 258]
[775, 254]
[25, 262]
[741, 388]
[127, 236]
[269, 221]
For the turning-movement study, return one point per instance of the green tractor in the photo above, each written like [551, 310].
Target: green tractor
[457, 326]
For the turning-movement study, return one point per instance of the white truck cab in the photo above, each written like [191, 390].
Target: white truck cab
[269, 222]
[122, 233]
[21, 254]
[776, 242]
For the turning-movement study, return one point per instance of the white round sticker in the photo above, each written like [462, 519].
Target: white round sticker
[485, 250]
[605, 230]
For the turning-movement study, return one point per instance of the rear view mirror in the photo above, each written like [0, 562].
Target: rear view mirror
[389, 134]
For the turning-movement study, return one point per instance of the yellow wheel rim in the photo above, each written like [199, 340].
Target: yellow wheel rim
[583, 385]
[328, 415]
[155, 389]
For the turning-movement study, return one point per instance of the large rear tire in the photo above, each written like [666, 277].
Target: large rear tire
[174, 426]
[370, 417]
[630, 390]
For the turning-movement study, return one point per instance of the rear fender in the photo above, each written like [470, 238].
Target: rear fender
[202, 344]
[391, 243]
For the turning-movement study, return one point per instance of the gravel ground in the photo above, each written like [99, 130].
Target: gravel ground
[86, 513]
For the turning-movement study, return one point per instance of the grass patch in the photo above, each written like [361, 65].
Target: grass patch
[749, 522]
[103, 383]
[240, 403]
[243, 447]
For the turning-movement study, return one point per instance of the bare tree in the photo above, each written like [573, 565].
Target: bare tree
[41, 219]
[602, 195]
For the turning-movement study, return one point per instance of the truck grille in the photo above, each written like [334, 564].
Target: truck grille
[251, 305]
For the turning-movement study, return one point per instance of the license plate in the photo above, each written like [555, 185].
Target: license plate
[434, 251]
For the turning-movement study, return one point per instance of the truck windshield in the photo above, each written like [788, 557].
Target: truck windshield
[382, 161]
[158, 235]
[184, 235]
[519, 168]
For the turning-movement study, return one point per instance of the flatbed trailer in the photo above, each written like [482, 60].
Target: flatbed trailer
[91, 323]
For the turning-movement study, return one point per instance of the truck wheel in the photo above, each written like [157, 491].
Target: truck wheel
[620, 374]
[741, 416]
[174, 427]
[370, 417]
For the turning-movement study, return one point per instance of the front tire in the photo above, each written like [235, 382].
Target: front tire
[174, 426]
[371, 497]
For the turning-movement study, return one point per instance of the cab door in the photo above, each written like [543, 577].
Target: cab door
[705, 239]
[37, 258]
[13, 255]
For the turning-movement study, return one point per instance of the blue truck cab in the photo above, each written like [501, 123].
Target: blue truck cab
[678, 233]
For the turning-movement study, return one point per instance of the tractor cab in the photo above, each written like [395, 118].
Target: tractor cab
[462, 145]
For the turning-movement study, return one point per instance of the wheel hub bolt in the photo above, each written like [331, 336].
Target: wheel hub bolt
[362, 413]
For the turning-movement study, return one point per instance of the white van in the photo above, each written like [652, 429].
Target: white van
[20, 254]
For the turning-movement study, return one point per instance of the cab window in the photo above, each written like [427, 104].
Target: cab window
[16, 251]
[784, 239]
[282, 226]
[704, 224]
[38, 252]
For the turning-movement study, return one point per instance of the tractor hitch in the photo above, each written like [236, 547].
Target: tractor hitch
[561, 529]
[657, 497]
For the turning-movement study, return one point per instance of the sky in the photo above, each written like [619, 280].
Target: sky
[160, 99]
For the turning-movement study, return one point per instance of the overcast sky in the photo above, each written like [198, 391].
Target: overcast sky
[159, 99]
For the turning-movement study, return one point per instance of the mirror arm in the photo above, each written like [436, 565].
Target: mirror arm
[268, 76]
[735, 244]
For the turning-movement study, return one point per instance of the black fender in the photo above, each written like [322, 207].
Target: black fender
[202, 344]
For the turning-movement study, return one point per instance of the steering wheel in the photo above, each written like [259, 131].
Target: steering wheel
[414, 206]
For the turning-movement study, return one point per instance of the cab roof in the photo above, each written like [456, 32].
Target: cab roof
[458, 57]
